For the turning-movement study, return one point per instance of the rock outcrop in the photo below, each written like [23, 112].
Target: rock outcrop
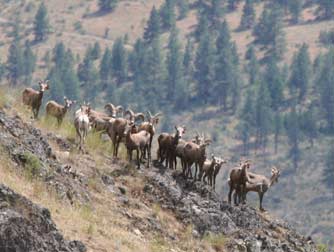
[27, 227]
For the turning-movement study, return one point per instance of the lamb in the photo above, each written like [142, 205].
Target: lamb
[260, 184]
[58, 111]
[137, 141]
[194, 153]
[207, 169]
[81, 124]
[216, 171]
[149, 126]
[237, 180]
[167, 145]
[33, 98]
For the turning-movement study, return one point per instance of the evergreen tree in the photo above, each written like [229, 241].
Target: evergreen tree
[152, 30]
[107, 5]
[96, 51]
[269, 31]
[325, 82]
[29, 63]
[274, 80]
[308, 124]
[278, 125]
[328, 173]
[119, 61]
[69, 77]
[188, 59]
[293, 133]
[232, 4]
[248, 15]
[327, 8]
[295, 8]
[183, 6]
[175, 89]
[14, 63]
[263, 115]
[215, 13]
[167, 13]
[105, 68]
[41, 23]
[204, 66]
[202, 25]
[253, 67]
[301, 72]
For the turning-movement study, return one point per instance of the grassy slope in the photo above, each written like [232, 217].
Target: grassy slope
[292, 197]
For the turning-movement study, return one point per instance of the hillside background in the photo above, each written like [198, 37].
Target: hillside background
[257, 77]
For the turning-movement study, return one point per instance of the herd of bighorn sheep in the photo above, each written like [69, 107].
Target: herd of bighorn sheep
[122, 126]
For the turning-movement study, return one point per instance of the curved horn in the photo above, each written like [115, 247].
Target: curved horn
[157, 115]
[119, 108]
[131, 113]
[149, 115]
[140, 116]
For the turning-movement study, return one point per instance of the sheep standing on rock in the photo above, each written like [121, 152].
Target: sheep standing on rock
[137, 141]
[81, 124]
[33, 98]
[58, 111]
[238, 179]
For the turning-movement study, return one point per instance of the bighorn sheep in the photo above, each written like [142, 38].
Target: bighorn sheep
[133, 117]
[112, 110]
[237, 180]
[194, 153]
[260, 184]
[149, 126]
[137, 141]
[211, 169]
[33, 98]
[58, 111]
[167, 145]
[81, 124]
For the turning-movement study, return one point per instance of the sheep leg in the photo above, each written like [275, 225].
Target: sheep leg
[138, 161]
[196, 168]
[230, 193]
[261, 198]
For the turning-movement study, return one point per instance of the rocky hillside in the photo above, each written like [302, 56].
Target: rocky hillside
[110, 206]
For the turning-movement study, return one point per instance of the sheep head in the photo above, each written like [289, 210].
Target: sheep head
[111, 109]
[275, 173]
[180, 130]
[68, 102]
[43, 85]
[154, 120]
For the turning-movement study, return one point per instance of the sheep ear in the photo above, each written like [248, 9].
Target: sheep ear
[175, 127]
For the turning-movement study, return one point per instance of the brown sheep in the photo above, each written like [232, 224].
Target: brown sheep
[112, 110]
[33, 98]
[137, 141]
[260, 184]
[194, 153]
[149, 126]
[167, 145]
[237, 180]
[58, 111]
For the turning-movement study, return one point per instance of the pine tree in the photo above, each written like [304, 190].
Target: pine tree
[269, 31]
[295, 8]
[107, 5]
[29, 62]
[96, 51]
[248, 15]
[69, 77]
[216, 12]
[253, 67]
[119, 61]
[14, 63]
[278, 126]
[152, 30]
[327, 8]
[183, 6]
[293, 133]
[202, 25]
[232, 4]
[308, 124]
[204, 67]
[226, 69]
[263, 115]
[167, 13]
[274, 80]
[325, 82]
[188, 59]
[301, 72]
[105, 68]
[328, 172]
[174, 68]
[41, 23]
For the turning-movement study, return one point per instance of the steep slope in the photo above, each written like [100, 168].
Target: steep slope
[125, 209]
